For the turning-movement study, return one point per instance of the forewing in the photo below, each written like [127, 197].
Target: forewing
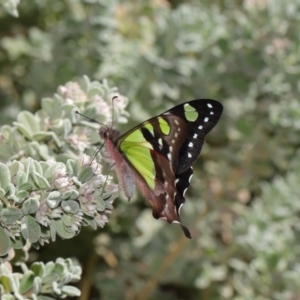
[199, 117]
[164, 135]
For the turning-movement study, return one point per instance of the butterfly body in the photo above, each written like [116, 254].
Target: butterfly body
[158, 155]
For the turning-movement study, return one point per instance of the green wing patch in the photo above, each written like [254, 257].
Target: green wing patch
[138, 152]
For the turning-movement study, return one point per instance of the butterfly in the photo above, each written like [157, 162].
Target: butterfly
[158, 154]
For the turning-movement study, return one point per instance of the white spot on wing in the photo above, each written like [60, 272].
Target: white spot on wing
[209, 105]
[190, 177]
[195, 135]
[211, 112]
[184, 192]
[191, 144]
[173, 141]
[175, 222]
[200, 127]
[206, 119]
[160, 142]
[176, 122]
[171, 148]
[176, 134]
[180, 208]
[169, 156]
[176, 181]
[189, 155]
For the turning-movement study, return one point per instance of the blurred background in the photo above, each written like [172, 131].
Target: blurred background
[243, 206]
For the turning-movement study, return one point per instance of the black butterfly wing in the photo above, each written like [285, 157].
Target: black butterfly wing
[199, 117]
[199, 122]
[172, 142]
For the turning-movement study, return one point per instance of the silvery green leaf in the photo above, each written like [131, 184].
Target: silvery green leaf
[4, 177]
[70, 206]
[72, 168]
[53, 199]
[6, 131]
[56, 139]
[41, 182]
[72, 194]
[56, 288]
[2, 193]
[22, 195]
[48, 106]
[14, 198]
[41, 135]
[108, 205]
[67, 127]
[43, 151]
[30, 206]
[18, 242]
[28, 167]
[15, 167]
[23, 130]
[37, 284]
[26, 282]
[37, 167]
[44, 166]
[51, 169]
[56, 213]
[86, 174]
[71, 291]
[63, 231]
[12, 188]
[11, 215]
[59, 266]
[30, 229]
[45, 233]
[67, 220]
[76, 181]
[53, 230]
[38, 269]
[67, 277]
[90, 111]
[100, 220]
[90, 221]
[14, 282]
[49, 267]
[100, 204]
[27, 123]
[5, 243]
[21, 178]
[86, 210]
[26, 186]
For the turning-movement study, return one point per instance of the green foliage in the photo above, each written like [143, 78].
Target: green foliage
[41, 281]
[243, 206]
[44, 199]
[65, 190]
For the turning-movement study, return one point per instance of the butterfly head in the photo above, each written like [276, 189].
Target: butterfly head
[107, 133]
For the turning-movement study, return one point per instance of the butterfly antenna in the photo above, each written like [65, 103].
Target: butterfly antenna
[92, 120]
[94, 156]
